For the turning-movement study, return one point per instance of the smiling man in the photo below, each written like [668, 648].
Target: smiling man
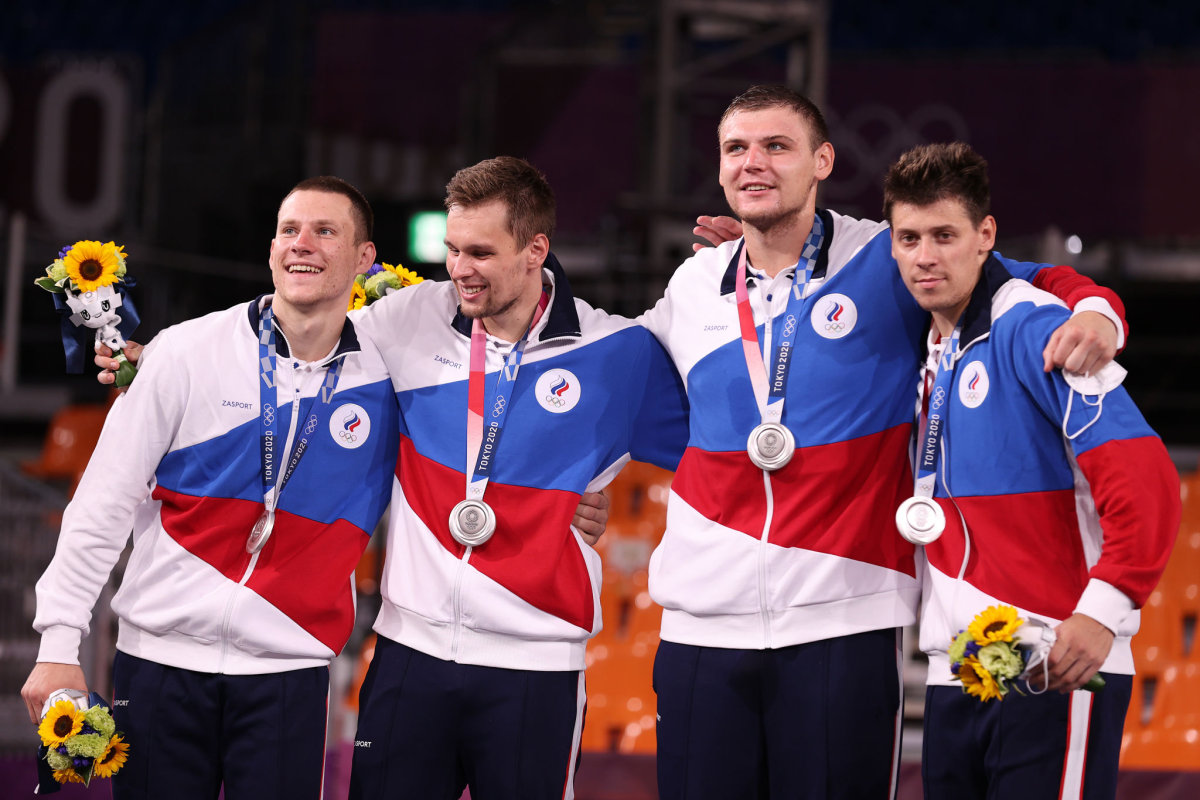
[515, 398]
[224, 460]
[783, 579]
[1057, 473]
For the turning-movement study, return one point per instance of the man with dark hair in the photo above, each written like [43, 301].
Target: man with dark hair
[783, 579]
[1078, 491]
[515, 398]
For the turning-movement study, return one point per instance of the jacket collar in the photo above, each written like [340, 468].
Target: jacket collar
[562, 320]
[977, 318]
[348, 343]
[728, 285]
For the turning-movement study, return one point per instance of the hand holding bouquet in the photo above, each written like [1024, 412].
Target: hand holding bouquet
[88, 282]
[997, 648]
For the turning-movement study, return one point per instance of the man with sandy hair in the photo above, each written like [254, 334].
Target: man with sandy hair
[515, 398]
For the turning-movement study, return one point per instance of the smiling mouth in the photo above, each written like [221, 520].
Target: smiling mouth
[756, 187]
[294, 268]
[470, 291]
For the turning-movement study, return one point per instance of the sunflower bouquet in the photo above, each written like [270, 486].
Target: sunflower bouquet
[993, 652]
[79, 744]
[88, 281]
[379, 281]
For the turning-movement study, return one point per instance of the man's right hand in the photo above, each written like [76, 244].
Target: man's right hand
[105, 361]
[46, 679]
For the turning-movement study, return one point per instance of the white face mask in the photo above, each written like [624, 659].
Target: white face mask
[1087, 386]
[1038, 638]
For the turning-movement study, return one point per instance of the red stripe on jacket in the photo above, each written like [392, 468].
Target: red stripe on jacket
[304, 569]
[533, 553]
[1136, 490]
[1025, 549]
[839, 498]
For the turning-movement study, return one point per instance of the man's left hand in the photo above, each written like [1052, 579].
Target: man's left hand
[1083, 645]
[1085, 344]
[591, 517]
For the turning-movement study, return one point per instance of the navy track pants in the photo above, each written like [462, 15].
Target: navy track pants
[815, 720]
[263, 736]
[427, 728]
[1033, 747]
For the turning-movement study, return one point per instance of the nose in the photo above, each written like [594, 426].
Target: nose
[925, 253]
[459, 266]
[756, 158]
[304, 241]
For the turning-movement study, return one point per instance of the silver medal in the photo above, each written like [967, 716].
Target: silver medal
[770, 446]
[472, 522]
[260, 532]
[920, 520]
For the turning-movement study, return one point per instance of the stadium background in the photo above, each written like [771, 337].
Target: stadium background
[176, 128]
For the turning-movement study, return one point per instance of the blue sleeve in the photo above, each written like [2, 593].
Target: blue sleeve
[1116, 417]
[658, 430]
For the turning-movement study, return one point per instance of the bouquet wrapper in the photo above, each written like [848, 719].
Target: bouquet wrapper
[46, 783]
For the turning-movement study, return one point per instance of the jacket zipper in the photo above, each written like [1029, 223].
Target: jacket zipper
[456, 635]
[287, 450]
[763, 601]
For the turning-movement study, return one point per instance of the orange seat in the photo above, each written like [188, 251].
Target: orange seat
[1168, 737]
[70, 440]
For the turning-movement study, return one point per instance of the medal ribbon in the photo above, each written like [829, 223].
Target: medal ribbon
[771, 391]
[481, 448]
[268, 416]
[935, 424]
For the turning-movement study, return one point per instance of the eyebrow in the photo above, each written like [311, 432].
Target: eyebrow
[779, 137]
[324, 223]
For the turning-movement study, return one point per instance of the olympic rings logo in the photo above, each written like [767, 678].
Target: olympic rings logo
[312, 425]
[835, 327]
[348, 437]
[555, 400]
[499, 407]
[789, 327]
[971, 396]
[939, 398]
[268, 414]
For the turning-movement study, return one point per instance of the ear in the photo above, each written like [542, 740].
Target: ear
[987, 233]
[824, 161]
[366, 258]
[539, 248]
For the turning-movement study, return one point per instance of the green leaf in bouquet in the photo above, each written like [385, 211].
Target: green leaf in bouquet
[1096, 684]
[49, 285]
[378, 284]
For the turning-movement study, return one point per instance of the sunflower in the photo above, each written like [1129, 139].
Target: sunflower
[67, 775]
[977, 681]
[407, 276]
[61, 723]
[113, 759]
[358, 297]
[996, 624]
[92, 265]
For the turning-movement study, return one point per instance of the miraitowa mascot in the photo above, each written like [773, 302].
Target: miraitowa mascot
[89, 285]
